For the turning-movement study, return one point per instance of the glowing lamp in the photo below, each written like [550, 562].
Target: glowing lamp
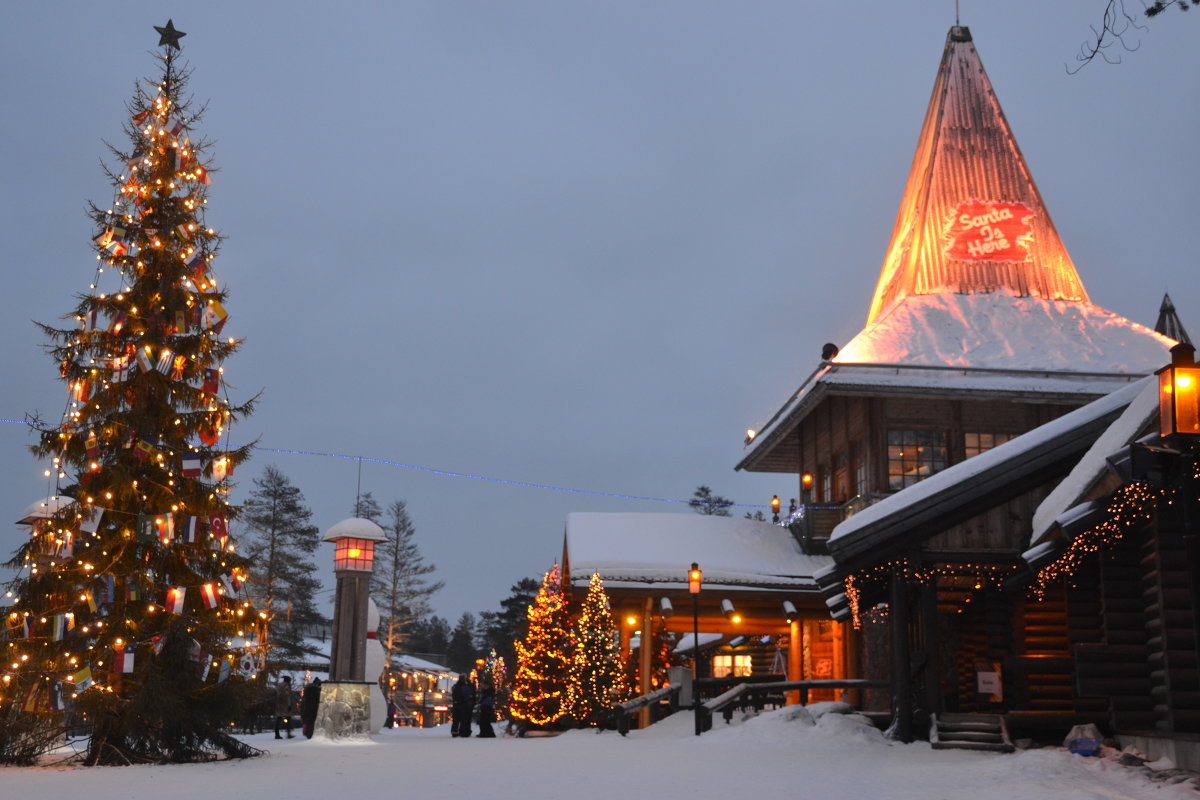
[728, 610]
[789, 611]
[1179, 393]
[694, 578]
[354, 544]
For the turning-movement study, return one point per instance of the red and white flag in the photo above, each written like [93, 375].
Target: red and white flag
[175, 599]
[120, 369]
[191, 465]
[209, 592]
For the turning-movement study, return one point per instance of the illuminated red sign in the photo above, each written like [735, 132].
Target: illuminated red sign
[989, 232]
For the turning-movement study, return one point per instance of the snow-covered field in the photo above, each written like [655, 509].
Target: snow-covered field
[783, 753]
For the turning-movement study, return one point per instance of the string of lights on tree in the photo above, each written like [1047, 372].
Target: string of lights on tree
[596, 673]
[129, 607]
[542, 692]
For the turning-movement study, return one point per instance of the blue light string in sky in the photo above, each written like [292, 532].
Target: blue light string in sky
[451, 474]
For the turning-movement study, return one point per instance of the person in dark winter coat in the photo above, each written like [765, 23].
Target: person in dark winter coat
[283, 706]
[487, 710]
[310, 701]
[462, 697]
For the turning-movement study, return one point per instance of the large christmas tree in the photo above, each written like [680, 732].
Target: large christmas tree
[596, 673]
[541, 689]
[126, 618]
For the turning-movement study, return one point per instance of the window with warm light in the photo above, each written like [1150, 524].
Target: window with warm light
[914, 455]
[975, 443]
[729, 665]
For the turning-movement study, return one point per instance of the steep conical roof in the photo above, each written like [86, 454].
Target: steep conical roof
[1168, 322]
[971, 219]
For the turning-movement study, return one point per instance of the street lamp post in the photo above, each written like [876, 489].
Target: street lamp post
[694, 578]
[1179, 425]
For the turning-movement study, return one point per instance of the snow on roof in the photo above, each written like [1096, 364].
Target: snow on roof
[415, 664]
[1002, 331]
[705, 639]
[966, 472]
[991, 343]
[1127, 427]
[635, 549]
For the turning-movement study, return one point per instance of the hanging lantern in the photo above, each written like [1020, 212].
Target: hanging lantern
[1179, 393]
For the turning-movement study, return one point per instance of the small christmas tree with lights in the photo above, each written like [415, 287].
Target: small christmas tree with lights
[596, 673]
[541, 689]
[126, 619]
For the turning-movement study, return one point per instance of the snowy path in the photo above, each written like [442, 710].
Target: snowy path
[769, 756]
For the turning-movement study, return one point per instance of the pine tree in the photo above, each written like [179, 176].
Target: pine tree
[430, 636]
[712, 505]
[283, 578]
[124, 615]
[367, 507]
[502, 629]
[541, 689]
[597, 675]
[399, 584]
[460, 654]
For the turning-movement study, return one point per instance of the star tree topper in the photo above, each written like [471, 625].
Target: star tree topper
[168, 35]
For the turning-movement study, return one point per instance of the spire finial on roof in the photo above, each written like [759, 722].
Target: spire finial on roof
[1168, 322]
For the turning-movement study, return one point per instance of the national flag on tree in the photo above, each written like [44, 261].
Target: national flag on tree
[82, 679]
[120, 369]
[175, 598]
[212, 380]
[143, 449]
[191, 528]
[165, 527]
[213, 317]
[191, 465]
[165, 359]
[209, 594]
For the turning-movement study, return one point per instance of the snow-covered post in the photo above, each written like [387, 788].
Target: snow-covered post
[345, 708]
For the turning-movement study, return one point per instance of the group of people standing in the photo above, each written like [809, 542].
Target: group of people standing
[285, 704]
[464, 698]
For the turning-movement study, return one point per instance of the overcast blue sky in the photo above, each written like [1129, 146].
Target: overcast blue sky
[584, 245]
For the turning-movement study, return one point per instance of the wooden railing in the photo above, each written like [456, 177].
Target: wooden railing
[626, 709]
[756, 695]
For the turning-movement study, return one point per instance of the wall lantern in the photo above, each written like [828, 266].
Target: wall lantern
[789, 611]
[728, 610]
[1179, 393]
[665, 607]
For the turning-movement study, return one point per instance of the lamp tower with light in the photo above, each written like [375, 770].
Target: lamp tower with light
[353, 562]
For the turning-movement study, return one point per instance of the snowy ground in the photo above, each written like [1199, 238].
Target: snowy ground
[778, 754]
